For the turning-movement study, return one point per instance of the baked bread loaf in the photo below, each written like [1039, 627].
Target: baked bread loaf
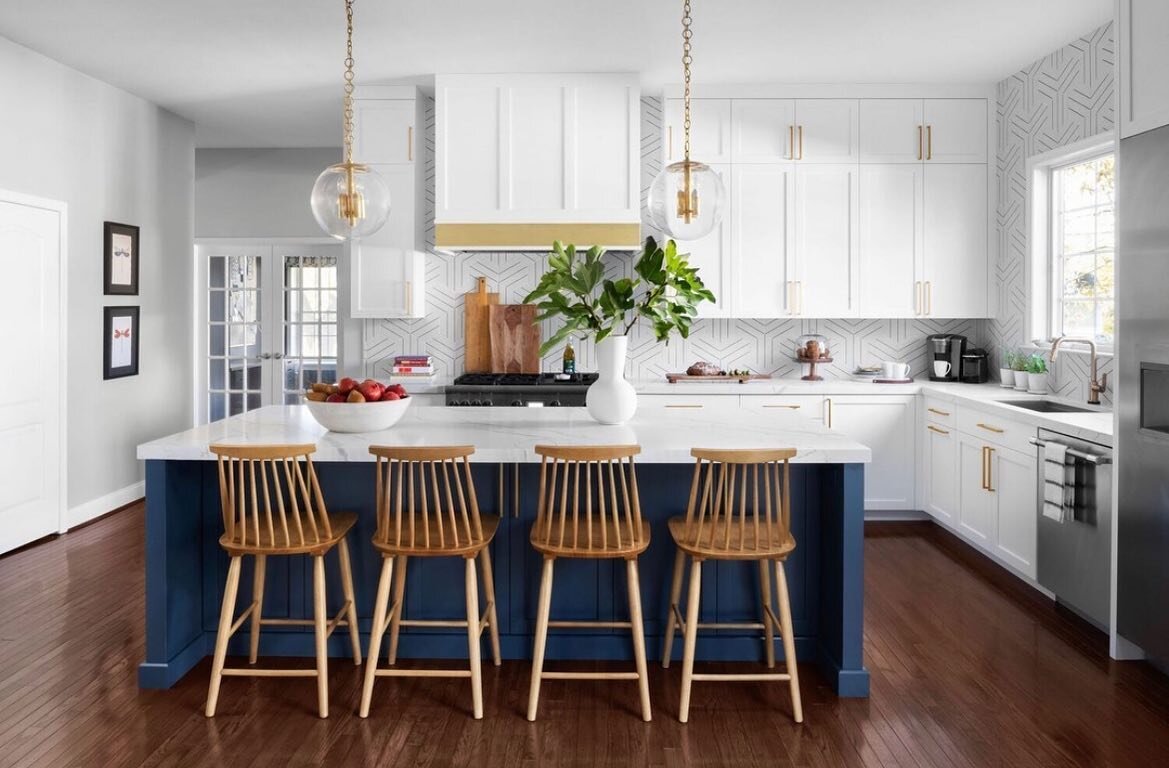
[703, 369]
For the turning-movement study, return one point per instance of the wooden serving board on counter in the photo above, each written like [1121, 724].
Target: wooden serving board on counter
[515, 338]
[675, 378]
[476, 328]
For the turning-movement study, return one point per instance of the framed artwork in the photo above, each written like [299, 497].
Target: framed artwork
[121, 342]
[121, 259]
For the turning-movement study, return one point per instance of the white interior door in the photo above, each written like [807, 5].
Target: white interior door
[31, 450]
[269, 325]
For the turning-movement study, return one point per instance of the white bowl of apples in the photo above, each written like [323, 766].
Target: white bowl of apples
[352, 406]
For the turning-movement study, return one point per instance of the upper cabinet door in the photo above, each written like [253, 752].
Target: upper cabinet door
[955, 242]
[386, 279]
[604, 166]
[710, 130]
[955, 130]
[827, 131]
[826, 202]
[890, 240]
[384, 130]
[763, 130]
[467, 177]
[891, 131]
[1144, 60]
[712, 256]
[761, 239]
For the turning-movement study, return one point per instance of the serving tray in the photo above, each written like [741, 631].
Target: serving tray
[675, 378]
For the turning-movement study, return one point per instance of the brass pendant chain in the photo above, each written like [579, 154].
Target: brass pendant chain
[687, 59]
[348, 119]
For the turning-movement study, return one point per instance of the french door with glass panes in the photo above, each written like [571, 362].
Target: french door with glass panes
[269, 326]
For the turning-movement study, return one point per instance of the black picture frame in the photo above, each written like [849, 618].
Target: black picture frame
[117, 360]
[115, 282]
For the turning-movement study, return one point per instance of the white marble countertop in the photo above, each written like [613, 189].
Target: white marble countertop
[506, 435]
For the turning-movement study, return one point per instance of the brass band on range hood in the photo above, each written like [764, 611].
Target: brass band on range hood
[535, 235]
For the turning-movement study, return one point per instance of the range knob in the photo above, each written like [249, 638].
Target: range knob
[517, 403]
[554, 404]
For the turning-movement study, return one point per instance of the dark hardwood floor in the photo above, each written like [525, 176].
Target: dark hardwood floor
[968, 670]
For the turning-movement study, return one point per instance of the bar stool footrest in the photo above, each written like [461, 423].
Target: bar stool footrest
[588, 675]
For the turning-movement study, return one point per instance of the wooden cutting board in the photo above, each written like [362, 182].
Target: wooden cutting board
[476, 330]
[515, 338]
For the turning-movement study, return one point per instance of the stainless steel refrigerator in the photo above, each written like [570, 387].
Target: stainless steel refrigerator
[1142, 396]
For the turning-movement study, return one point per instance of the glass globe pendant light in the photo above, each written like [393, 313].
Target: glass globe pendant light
[686, 198]
[350, 200]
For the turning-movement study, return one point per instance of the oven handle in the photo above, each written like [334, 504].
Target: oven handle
[1091, 458]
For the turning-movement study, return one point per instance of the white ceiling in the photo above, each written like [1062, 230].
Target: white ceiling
[267, 73]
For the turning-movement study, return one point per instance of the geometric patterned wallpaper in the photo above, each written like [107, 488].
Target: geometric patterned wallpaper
[1060, 99]
[759, 345]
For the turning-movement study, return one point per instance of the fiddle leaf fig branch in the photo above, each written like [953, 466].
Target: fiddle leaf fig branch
[666, 291]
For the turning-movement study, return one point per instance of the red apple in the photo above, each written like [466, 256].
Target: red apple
[371, 390]
[346, 385]
[390, 394]
[336, 397]
[397, 388]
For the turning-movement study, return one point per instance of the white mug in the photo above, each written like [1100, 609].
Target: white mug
[942, 368]
[893, 370]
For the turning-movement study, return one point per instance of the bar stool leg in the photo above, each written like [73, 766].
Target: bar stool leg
[396, 609]
[489, 593]
[473, 642]
[542, 612]
[347, 588]
[638, 637]
[319, 622]
[789, 642]
[377, 633]
[258, 605]
[691, 638]
[226, 619]
[671, 619]
[765, 599]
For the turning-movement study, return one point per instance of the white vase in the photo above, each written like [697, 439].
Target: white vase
[1037, 383]
[1021, 381]
[611, 399]
[1006, 377]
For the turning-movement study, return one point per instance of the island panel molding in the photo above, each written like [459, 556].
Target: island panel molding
[764, 345]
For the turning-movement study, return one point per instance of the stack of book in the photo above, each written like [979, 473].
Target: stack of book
[413, 365]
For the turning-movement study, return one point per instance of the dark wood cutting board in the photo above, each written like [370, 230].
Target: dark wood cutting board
[476, 328]
[515, 338]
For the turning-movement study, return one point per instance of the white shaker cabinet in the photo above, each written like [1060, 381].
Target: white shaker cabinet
[891, 131]
[887, 425]
[1012, 476]
[810, 407]
[1143, 56]
[710, 130]
[976, 509]
[827, 131]
[763, 130]
[890, 240]
[940, 467]
[956, 230]
[713, 257]
[387, 269]
[924, 130]
[825, 247]
[955, 130]
[760, 213]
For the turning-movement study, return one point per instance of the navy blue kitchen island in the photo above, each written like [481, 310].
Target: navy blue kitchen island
[186, 568]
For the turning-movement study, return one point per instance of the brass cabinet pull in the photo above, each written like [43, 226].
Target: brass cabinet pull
[675, 405]
[792, 407]
[801, 133]
[917, 298]
[938, 412]
[409, 297]
[932, 428]
[989, 428]
[410, 143]
[829, 401]
[989, 477]
[929, 297]
[791, 142]
[800, 286]
[929, 142]
[920, 131]
[985, 481]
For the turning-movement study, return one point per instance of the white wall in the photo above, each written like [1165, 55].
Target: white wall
[109, 156]
[258, 192]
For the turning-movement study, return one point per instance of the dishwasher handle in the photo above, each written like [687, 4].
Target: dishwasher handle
[1091, 458]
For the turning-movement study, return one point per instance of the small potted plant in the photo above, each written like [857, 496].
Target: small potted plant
[1006, 368]
[1019, 371]
[665, 290]
[1037, 374]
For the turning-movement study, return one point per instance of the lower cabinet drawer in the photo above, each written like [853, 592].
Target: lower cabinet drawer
[808, 406]
[939, 411]
[696, 402]
[993, 428]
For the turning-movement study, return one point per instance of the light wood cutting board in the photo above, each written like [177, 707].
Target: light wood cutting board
[476, 328]
[515, 338]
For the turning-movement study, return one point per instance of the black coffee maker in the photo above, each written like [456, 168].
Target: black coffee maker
[975, 366]
[947, 348]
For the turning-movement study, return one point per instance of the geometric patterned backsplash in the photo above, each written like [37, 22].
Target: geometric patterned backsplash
[759, 345]
[1060, 99]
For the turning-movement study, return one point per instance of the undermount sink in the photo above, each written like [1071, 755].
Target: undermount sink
[1046, 406]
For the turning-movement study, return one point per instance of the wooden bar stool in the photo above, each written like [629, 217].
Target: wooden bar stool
[272, 505]
[614, 530]
[426, 507]
[731, 516]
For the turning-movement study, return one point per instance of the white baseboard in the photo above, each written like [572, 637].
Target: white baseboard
[899, 515]
[83, 513]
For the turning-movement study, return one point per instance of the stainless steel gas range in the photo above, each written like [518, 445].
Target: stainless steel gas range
[532, 390]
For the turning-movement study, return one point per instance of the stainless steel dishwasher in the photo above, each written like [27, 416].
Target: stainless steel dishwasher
[1075, 556]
